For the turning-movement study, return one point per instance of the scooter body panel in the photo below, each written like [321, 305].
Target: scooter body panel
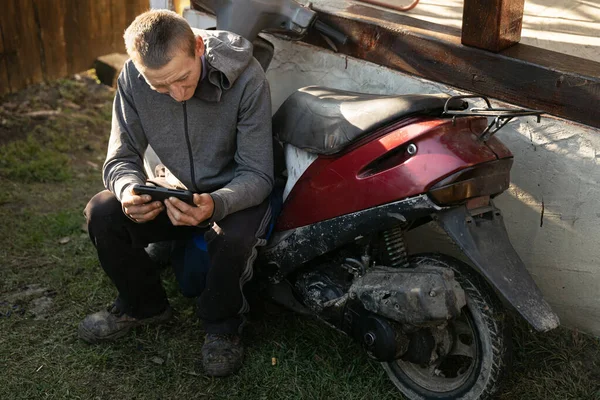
[380, 169]
[288, 250]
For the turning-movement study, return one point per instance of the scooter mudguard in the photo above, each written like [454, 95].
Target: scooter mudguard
[483, 238]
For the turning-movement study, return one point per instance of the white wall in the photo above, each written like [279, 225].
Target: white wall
[556, 162]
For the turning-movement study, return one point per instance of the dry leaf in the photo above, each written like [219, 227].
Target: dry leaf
[42, 113]
[72, 105]
[157, 360]
[64, 240]
[273, 361]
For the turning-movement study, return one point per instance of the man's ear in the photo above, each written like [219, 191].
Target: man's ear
[199, 46]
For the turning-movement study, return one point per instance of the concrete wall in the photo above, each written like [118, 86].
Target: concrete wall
[557, 168]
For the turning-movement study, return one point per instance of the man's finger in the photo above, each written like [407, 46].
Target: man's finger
[133, 200]
[146, 216]
[177, 216]
[187, 220]
[174, 220]
[180, 205]
[142, 209]
[140, 199]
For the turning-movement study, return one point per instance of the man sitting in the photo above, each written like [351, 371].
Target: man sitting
[203, 103]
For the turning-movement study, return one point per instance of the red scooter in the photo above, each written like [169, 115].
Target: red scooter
[364, 169]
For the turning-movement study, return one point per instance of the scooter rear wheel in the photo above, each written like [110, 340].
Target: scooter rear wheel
[478, 359]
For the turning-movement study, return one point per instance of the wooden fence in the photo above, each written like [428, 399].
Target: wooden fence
[48, 39]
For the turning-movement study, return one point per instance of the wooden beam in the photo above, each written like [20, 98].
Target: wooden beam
[492, 25]
[560, 84]
[109, 67]
[4, 80]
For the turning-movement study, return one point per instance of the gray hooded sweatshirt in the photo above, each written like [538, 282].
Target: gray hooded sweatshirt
[218, 142]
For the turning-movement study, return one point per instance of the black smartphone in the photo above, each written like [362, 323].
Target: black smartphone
[161, 193]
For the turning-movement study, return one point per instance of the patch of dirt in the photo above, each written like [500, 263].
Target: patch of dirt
[22, 112]
[68, 117]
[26, 293]
[32, 298]
[41, 307]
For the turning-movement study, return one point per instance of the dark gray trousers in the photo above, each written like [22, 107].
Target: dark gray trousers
[231, 243]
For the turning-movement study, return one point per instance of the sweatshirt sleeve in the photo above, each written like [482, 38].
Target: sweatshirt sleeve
[124, 164]
[253, 179]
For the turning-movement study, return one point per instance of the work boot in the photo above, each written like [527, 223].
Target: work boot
[112, 323]
[222, 355]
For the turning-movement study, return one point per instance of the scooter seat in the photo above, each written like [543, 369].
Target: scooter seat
[324, 121]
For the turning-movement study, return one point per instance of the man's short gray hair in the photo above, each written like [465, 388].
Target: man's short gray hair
[154, 36]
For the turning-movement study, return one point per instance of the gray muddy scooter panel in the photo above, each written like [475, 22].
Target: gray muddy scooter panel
[483, 238]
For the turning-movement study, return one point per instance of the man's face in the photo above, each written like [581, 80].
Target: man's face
[179, 77]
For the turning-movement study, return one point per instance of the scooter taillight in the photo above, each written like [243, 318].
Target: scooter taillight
[487, 179]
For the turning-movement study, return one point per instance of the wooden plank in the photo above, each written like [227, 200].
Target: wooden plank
[133, 9]
[123, 15]
[492, 25]
[30, 47]
[561, 85]
[52, 20]
[21, 43]
[119, 22]
[84, 58]
[72, 38]
[83, 33]
[100, 29]
[4, 79]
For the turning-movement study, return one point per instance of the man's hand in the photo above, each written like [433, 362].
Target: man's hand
[181, 213]
[139, 208]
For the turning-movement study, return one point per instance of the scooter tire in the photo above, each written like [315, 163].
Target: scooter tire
[492, 341]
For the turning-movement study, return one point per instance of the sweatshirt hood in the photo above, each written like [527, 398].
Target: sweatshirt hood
[227, 56]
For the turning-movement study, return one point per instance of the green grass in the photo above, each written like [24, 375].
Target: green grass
[41, 358]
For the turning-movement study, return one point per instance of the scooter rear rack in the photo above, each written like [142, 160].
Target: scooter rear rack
[502, 116]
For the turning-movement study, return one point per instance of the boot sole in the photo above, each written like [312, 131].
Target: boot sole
[89, 337]
[221, 371]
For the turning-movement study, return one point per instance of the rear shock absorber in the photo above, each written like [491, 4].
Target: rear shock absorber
[395, 248]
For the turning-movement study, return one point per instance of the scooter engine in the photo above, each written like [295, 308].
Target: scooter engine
[318, 290]
[325, 293]
[393, 312]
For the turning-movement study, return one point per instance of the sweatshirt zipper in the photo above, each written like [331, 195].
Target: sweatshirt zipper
[189, 146]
